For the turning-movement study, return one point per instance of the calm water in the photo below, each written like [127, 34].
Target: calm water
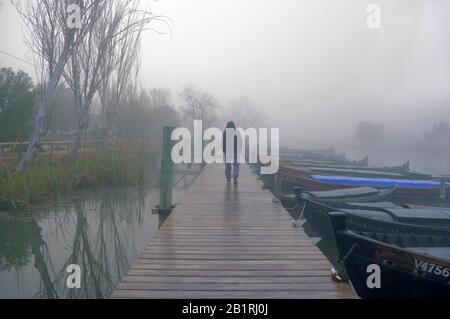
[102, 232]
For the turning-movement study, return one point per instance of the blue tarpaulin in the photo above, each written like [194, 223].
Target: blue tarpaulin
[377, 182]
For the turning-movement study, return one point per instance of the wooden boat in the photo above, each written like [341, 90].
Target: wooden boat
[329, 162]
[318, 156]
[341, 196]
[395, 234]
[382, 217]
[344, 195]
[407, 190]
[369, 173]
[382, 221]
[404, 272]
[394, 172]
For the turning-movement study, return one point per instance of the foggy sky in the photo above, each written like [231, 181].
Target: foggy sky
[311, 65]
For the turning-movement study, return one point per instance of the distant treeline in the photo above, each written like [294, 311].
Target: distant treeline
[141, 114]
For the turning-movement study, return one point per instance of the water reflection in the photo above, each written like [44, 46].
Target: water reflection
[103, 233]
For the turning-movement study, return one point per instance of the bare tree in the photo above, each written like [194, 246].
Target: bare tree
[245, 113]
[102, 53]
[144, 104]
[119, 74]
[440, 131]
[161, 98]
[198, 105]
[370, 133]
[52, 39]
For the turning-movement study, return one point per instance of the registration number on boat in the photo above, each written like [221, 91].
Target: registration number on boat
[432, 269]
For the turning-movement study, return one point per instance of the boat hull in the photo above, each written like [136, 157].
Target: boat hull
[318, 224]
[317, 216]
[292, 178]
[401, 272]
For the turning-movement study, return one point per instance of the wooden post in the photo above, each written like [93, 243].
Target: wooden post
[185, 181]
[277, 187]
[165, 193]
[50, 155]
[443, 191]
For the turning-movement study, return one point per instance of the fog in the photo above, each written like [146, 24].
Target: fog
[312, 67]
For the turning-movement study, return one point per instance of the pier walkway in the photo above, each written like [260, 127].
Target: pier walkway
[224, 241]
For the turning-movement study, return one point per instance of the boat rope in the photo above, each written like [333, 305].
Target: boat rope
[350, 251]
[302, 212]
[292, 208]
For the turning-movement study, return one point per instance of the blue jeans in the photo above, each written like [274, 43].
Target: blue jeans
[228, 171]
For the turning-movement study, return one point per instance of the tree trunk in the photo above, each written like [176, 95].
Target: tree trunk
[33, 147]
[83, 124]
[77, 143]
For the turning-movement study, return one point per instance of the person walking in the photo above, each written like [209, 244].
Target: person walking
[232, 169]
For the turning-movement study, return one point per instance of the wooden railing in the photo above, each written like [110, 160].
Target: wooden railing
[13, 150]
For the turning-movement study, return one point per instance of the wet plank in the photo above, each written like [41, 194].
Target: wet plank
[224, 241]
[241, 294]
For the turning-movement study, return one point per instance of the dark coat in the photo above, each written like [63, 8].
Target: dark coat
[236, 146]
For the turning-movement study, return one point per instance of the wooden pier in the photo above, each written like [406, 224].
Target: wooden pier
[224, 241]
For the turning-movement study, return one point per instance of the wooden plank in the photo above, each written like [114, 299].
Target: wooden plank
[142, 264]
[227, 280]
[223, 241]
[233, 251]
[285, 286]
[229, 273]
[228, 256]
[235, 244]
[177, 294]
[225, 264]
[229, 241]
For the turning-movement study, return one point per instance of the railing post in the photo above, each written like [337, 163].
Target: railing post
[165, 194]
[277, 188]
[443, 188]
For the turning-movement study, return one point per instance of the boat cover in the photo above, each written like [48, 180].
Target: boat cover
[370, 214]
[382, 205]
[349, 192]
[322, 170]
[436, 216]
[422, 216]
[377, 182]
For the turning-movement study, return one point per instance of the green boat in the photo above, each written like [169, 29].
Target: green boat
[400, 172]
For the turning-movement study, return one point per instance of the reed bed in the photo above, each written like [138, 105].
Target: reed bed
[49, 180]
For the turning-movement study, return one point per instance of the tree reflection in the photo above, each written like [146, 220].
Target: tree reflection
[97, 234]
[102, 244]
[97, 231]
[15, 250]
[20, 242]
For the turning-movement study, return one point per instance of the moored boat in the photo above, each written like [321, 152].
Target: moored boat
[378, 270]
[402, 172]
[384, 217]
[406, 190]
[344, 195]
[383, 221]
[339, 197]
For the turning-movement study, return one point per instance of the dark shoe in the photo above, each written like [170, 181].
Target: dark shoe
[236, 182]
